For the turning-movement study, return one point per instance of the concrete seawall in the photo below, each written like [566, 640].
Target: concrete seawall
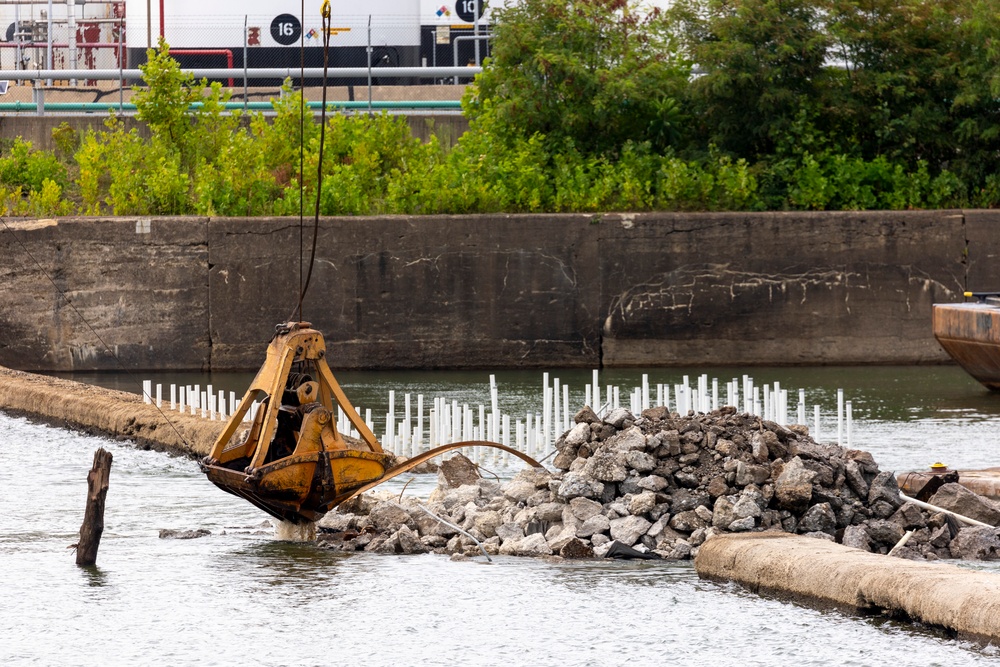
[113, 414]
[826, 574]
[651, 289]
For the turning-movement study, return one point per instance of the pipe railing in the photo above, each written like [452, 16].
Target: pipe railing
[40, 106]
[253, 73]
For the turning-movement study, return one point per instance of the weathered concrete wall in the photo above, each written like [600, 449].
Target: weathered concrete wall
[823, 573]
[779, 288]
[501, 290]
[143, 294]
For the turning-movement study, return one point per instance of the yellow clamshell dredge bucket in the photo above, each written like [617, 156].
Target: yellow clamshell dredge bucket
[292, 462]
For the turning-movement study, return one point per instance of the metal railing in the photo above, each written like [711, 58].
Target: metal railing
[296, 75]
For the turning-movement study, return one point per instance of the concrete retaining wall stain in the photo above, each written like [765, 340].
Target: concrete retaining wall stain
[651, 289]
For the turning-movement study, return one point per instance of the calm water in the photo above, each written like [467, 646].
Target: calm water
[907, 416]
[241, 597]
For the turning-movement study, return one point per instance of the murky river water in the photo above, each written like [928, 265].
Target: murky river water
[239, 596]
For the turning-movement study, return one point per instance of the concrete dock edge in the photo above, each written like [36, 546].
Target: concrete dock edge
[821, 573]
[114, 414]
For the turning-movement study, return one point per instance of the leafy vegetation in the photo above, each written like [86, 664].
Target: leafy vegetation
[588, 106]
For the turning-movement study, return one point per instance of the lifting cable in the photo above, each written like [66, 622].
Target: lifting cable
[325, 12]
[107, 348]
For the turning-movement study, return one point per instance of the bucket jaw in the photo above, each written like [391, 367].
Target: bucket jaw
[291, 461]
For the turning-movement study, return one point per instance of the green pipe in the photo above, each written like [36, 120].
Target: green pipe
[253, 106]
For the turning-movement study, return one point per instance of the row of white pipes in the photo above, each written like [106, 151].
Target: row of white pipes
[423, 425]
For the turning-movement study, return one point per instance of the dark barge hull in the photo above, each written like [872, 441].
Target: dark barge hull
[970, 333]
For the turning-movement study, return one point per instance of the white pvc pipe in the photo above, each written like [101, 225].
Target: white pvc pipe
[934, 508]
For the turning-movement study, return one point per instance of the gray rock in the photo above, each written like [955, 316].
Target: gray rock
[744, 524]
[856, 537]
[578, 435]
[335, 521]
[584, 508]
[550, 512]
[976, 543]
[758, 445]
[629, 529]
[793, 488]
[171, 534]
[409, 542]
[820, 535]
[631, 439]
[884, 488]
[687, 479]
[884, 532]
[592, 525]
[618, 417]
[639, 461]
[532, 545]
[909, 516]
[855, 479]
[818, 519]
[564, 537]
[518, 490]
[722, 512]
[958, 499]
[683, 500]
[487, 522]
[509, 531]
[747, 506]
[652, 483]
[387, 515]
[748, 473]
[577, 484]
[606, 466]
[642, 503]
[687, 521]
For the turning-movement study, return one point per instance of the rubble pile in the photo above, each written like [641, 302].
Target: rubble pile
[662, 484]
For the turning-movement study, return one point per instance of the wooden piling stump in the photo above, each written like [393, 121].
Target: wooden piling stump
[93, 518]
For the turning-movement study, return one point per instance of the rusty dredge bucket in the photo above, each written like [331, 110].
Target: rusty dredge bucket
[292, 462]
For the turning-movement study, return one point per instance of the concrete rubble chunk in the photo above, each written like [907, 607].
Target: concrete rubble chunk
[976, 543]
[532, 545]
[586, 415]
[598, 523]
[578, 484]
[958, 499]
[618, 417]
[884, 487]
[457, 471]
[793, 488]
[629, 529]
[606, 466]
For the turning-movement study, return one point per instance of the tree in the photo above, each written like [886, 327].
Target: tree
[593, 74]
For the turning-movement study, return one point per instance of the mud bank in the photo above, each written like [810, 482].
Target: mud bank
[114, 414]
[962, 601]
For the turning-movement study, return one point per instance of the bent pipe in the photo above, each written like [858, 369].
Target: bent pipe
[431, 453]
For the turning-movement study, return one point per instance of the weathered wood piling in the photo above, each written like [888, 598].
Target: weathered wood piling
[93, 518]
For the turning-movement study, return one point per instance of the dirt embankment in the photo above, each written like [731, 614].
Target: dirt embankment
[114, 414]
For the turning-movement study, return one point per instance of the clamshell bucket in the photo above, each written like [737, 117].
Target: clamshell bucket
[290, 460]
